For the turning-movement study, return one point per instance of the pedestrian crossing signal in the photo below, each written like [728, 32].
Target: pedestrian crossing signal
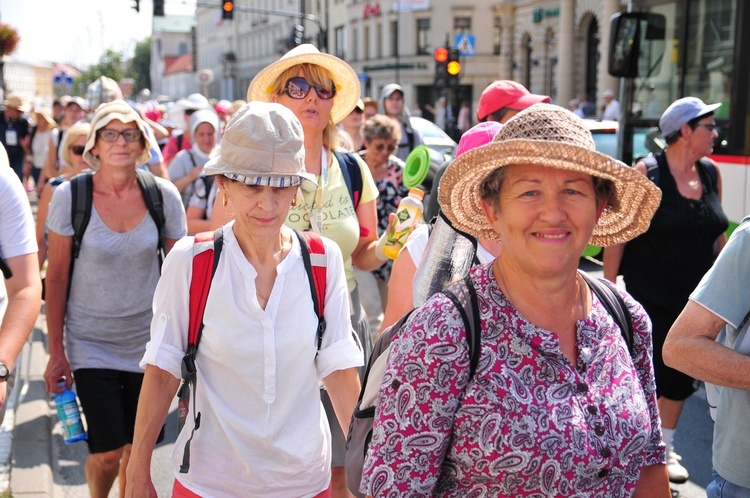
[227, 10]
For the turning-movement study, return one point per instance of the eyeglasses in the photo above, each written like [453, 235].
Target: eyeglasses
[109, 135]
[380, 147]
[77, 149]
[709, 126]
[298, 88]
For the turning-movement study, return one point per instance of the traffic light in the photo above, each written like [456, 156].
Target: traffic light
[453, 67]
[227, 10]
[298, 35]
[137, 5]
[158, 8]
[441, 71]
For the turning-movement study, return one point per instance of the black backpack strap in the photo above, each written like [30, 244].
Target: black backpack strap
[192, 159]
[652, 169]
[155, 204]
[5, 269]
[464, 297]
[352, 175]
[82, 197]
[615, 305]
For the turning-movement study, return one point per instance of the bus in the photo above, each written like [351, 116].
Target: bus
[665, 50]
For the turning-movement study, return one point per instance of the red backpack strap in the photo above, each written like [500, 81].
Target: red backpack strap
[206, 253]
[315, 259]
[200, 283]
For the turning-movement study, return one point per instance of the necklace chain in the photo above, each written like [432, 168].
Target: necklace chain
[281, 257]
[578, 285]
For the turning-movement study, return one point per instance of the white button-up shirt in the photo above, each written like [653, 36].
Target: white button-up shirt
[263, 430]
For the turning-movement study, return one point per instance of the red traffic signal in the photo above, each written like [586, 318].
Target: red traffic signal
[441, 54]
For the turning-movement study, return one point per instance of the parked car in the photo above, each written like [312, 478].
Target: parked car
[434, 137]
[645, 141]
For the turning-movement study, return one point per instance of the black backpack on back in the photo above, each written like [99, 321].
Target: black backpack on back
[82, 198]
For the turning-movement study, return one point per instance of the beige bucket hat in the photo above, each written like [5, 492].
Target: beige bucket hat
[263, 144]
[551, 136]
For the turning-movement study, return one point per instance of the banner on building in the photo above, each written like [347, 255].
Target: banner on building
[404, 5]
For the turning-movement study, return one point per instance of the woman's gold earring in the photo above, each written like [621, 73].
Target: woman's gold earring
[223, 199]
[294, 201]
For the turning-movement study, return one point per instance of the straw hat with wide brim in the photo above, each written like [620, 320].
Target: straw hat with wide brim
[346, 80]
[551, 136]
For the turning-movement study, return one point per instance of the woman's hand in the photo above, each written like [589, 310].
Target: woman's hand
[139, 484]
[57, 369]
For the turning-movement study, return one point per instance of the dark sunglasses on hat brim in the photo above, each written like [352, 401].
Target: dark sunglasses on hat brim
[298, 88]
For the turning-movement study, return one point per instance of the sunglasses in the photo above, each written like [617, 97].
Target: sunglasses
[77, 149]
[709, 126]
[380, 147]
[298, 88]
[112, 135]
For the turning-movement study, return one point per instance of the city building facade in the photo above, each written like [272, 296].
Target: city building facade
[554, 47]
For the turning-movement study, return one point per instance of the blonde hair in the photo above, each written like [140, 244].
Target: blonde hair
[315, 75]
[77, 130]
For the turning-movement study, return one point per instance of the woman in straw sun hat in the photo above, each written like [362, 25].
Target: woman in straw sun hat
[262, 426]
[557, 405]
[322, 90]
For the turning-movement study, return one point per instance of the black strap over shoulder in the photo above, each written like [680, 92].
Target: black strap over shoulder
[82, 197]
[613, 301]
[464, 297]
[155, 204]
[5, 269]
[352, 175]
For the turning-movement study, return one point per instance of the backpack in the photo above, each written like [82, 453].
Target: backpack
[82, 196]
[652, 170]
[463, 295]
[206, 253]
[352, 175]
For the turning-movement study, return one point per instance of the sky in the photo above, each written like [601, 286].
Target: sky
[77, 32]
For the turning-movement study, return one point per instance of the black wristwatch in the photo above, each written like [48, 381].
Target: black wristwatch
[4, 372]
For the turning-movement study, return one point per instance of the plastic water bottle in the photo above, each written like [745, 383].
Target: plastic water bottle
[407, 217]
[70, 418]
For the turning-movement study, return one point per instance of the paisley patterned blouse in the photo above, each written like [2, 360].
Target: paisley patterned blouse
[529, 423]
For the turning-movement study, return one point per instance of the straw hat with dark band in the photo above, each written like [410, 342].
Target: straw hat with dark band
[344, 77]
[551, 136]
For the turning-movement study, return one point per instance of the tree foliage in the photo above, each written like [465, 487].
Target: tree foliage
[140, 66]
[110, 65]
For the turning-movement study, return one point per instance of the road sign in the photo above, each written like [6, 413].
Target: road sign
[466, 45]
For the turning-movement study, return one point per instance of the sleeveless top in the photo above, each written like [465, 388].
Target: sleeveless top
[664, 264]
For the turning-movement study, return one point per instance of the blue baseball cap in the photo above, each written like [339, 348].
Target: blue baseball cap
[681, 112]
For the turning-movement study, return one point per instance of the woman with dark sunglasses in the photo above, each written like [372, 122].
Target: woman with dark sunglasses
[322, 90]
[73, 163]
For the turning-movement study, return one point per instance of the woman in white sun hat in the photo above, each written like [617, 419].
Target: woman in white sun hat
[322, 90]
[263, 429]
[558, 405]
